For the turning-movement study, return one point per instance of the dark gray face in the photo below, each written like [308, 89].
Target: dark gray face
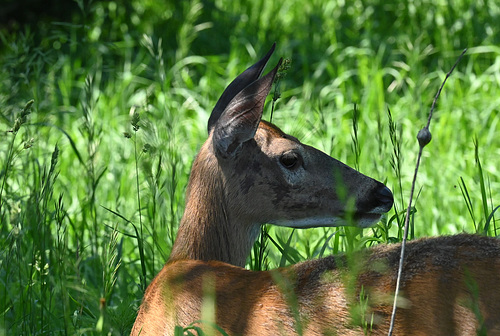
[276, 179]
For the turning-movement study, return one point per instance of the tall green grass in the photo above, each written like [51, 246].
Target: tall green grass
[93, 177]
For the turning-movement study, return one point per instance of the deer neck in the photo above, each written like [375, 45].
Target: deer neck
[210, 229]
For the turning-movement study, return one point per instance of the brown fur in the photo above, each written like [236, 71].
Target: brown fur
[444, 278]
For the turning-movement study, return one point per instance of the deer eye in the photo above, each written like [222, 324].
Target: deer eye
[290, 160]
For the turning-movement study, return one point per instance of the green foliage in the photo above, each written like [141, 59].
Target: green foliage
[102, 115]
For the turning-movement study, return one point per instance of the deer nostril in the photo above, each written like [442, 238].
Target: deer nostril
[385, 196]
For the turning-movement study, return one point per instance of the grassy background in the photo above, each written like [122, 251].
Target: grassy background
[90, 203]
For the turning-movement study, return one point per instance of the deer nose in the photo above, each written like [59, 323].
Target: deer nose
[378, 201]
[385, 198]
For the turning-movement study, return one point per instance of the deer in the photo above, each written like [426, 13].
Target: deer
[248, 173]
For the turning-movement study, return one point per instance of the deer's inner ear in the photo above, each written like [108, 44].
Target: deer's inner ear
[240, 120]
[246, 78]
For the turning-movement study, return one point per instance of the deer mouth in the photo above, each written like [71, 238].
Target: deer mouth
[362, 220]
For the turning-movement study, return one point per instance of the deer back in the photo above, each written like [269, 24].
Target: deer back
[449, 287]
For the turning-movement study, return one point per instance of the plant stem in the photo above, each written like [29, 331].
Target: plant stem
[424, 137]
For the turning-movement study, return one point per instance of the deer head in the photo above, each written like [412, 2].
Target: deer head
[249, 173]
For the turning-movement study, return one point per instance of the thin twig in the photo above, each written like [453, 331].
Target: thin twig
[424, 137]
[441, 88]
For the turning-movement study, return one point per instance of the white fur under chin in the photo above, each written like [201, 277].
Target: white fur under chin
[327, 222]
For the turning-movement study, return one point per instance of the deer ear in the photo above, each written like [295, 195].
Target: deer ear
[246, 78]
[240, 119]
